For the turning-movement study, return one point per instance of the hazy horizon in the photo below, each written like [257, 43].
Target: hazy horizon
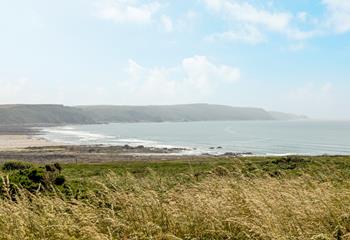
[281, 56]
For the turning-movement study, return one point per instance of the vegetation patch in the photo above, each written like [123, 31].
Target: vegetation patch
[33, 178]
[222, 198]
[16, 165]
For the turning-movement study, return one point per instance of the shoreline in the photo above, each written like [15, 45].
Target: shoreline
[74, 154]
[23, 143]
[24, 138]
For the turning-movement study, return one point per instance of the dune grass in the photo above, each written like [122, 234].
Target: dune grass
[251, 198]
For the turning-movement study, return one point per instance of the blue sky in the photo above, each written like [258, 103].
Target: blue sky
[289, 56]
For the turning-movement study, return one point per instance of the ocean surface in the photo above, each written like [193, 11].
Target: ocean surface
[257, 137]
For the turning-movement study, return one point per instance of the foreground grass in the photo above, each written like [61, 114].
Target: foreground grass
[252, 198]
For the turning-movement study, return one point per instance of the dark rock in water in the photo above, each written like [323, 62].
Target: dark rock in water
[219, 147]
[211, 148]
[140, 147]
[127, 147]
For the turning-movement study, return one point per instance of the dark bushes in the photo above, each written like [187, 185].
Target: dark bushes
[16, 165]
[60, 180]
[290, 162]
[30, 177]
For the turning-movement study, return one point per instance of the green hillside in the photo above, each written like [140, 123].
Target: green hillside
[174, 113]
[59, 114]
[42, 114]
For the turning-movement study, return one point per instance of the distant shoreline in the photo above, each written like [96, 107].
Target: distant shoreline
[17, 137]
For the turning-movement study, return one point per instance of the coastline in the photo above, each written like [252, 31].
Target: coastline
[29, 138]
[25, 143]
[18, 140]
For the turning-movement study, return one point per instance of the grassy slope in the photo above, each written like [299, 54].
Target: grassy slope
[250, 198]
[188, 112]
[59, 114]
[42, 114]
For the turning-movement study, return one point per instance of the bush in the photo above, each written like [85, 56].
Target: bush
[221, 171]
[36, 175]
[49, 168]
[60, 180]
[16, 165]
[58, 167]
[30, 177]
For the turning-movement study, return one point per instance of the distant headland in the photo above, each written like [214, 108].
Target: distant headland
[30, 114]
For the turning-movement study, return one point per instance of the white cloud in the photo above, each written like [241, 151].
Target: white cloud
[167, 23]
[122, 11]
[195, 79]
[260, 20]
[242, 11]
[298, 26]
[296, 34]
[338, 15]
[248, 34]
[202, 74]
[187, 21]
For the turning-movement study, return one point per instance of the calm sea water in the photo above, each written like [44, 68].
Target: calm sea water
[258, 137]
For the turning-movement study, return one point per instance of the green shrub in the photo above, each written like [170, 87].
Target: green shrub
[221, 171]
[36, 175]
[60, 180]
[58, 167]
[16, 165]
[30, 177]
[50, 168]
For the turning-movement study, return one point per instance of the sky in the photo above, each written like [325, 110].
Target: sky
[290, 55]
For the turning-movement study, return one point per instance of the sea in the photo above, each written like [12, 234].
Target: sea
[302, 137]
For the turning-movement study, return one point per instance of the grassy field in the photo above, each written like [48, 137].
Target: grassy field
[223, 198]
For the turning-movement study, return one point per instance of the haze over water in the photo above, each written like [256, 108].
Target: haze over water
[257, 137]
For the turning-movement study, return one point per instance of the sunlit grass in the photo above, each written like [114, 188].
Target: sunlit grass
[231, 199]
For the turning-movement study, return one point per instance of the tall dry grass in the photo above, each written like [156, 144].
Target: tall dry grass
[219, 206]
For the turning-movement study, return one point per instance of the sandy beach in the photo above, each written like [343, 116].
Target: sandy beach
[23, 141]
